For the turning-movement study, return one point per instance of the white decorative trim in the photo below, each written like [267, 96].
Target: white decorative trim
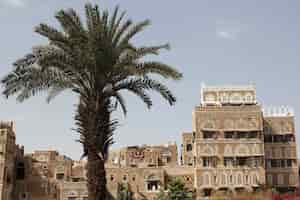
[278, 111]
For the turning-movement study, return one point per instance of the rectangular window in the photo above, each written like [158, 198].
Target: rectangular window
[189, 147]
[268, 163]
[289, 163]
[60, 176]
[229, 135]
[207, 192]
[209, 162]
[206, 162]
[268, 138]
[273, 163]
[255, 162]
[269, 179]
[153, 185]
[228, 161]
[241, 161]
[282, 164]
[209, 134]
[242, 135]
[252, 134]
[75, 179]
[290, 138]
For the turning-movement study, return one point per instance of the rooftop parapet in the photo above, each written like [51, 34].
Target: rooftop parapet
[228, 94]
[278, 111]
[250, 87]
[7, 124]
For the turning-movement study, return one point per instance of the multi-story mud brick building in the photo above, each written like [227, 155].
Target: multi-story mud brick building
[234, 146]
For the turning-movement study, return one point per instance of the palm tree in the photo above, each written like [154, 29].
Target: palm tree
[96, 61]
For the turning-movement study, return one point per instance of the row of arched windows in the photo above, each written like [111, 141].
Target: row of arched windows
[279, 179]
[228, 179]
[226, 98]
[279, 152]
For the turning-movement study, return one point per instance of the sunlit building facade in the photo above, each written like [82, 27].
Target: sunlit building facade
[235, 145]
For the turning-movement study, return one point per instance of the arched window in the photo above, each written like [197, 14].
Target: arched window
[112, 177]
[269, 179]
[248, 98]
[189, 147]
[280, 179]
[292, 179]
[215, 179]
[239, 179]
[206, 179]
[20, 171]
[230, 179]
[223, 182]
[254, 179]
[246, 179]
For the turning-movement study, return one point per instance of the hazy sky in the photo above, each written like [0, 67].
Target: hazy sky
[216, 42]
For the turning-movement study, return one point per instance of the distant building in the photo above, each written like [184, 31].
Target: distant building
[234, 146]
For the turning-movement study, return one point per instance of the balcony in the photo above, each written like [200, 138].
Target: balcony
[286, 138]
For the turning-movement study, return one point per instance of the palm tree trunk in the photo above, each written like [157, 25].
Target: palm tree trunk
[93, 120]
[96, 176]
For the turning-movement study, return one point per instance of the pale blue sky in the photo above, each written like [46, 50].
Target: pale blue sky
[216, 42]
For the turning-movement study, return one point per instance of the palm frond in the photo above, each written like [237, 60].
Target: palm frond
[161, 89]
[137, 87]
[120, 100]
[132, 32]
[89, 17]
[112, 21]
[117, 24]
[56, 89]
[70, 22]
[120, 31]
[133, 55]
[51, 33]
[158, 68]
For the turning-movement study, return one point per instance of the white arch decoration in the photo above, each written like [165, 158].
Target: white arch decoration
[242, 150]
[228, 150]
[239, 178]
[230, 179]
[209, 124]
[288, 127]
[256, 149]
[242, 124]
[229, 124]
[236, 97]
[206, 178]
[249, 97]
[208, 150]
[223, 179]
[210, 97]
[254, 178]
